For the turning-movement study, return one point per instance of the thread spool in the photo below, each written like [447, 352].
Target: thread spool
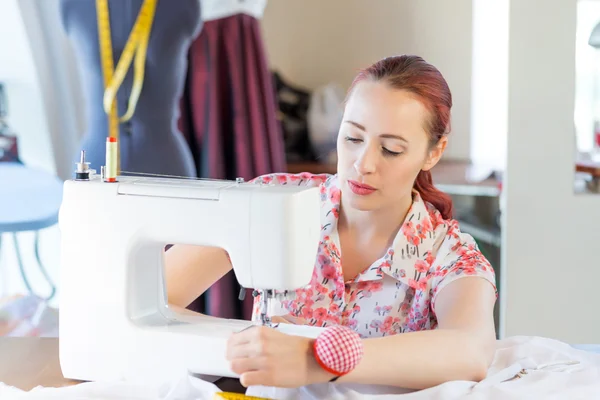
[111, 160]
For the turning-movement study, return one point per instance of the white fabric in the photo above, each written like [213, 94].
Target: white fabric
[563, 381]
[188, 388]
[555, 370]
[215, 9]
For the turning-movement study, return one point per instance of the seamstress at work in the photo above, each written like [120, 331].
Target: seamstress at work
[391, 259]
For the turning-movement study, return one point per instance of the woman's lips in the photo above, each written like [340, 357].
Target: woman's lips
[360, 189]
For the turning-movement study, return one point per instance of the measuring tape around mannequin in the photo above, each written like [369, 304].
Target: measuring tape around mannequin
[137, 45]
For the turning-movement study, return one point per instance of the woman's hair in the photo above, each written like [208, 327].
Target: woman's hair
[414, 75]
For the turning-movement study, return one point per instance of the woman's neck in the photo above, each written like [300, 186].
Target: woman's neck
[381, 223]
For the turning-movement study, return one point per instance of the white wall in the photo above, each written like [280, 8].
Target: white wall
[588, 74]
[58, 75]
[441, 32]
[18, 72]
[551, 259]
[314, 42]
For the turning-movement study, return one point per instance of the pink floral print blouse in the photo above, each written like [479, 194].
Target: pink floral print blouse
[395, 294]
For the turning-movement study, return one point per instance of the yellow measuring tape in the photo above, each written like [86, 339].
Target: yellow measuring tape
[137, 45]
[235, 396]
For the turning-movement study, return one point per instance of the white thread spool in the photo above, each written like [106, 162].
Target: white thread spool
[111, 159]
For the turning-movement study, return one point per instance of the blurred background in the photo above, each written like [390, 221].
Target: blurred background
[243, 88]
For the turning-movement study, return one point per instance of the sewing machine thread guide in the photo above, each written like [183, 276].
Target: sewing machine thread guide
[82, 172]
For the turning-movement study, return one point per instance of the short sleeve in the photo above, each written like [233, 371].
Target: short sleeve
[301, 179]
[460, 257]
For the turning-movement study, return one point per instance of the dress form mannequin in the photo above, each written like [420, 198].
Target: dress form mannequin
[150, 141]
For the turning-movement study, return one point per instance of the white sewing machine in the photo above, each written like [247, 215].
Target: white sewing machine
[115, 324]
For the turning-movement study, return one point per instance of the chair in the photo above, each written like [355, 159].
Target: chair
[30, 198]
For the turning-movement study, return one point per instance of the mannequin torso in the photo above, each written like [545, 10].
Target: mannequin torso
[150, 142]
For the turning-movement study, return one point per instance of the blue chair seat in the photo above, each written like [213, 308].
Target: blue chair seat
[29, 198]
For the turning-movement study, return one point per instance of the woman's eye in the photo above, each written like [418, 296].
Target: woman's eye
[353, 140]
[391, 153]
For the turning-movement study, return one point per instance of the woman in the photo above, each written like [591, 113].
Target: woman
[390, 257]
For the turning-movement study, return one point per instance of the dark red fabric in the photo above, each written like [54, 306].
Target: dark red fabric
[9, 150]
[229, 117]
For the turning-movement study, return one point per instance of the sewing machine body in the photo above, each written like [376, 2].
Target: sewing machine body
[115, 324]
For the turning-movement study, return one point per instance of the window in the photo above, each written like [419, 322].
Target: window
[489, 83]
[587, 89]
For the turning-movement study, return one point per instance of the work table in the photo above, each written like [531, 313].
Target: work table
[27, 362]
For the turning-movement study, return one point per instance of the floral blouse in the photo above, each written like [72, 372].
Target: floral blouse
[397, 292]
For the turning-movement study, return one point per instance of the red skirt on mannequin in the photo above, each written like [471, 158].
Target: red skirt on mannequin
[229, 117]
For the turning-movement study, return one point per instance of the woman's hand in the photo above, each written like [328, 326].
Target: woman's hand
[264, 356]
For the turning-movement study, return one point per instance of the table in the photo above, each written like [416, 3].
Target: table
[591, 169]
[27, 362]
[30, 201]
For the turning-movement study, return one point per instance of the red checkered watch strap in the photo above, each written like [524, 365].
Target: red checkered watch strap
[338, 349]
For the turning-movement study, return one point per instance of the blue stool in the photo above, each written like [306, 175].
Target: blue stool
[29, 201]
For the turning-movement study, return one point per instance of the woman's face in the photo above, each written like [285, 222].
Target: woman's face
[382, 145]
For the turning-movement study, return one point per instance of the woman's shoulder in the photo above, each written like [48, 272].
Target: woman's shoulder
[299, 179]
[451, 240]
[455, 253]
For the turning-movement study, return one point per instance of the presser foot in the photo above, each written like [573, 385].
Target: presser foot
[265, 297]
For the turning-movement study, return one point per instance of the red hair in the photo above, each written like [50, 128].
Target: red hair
[414, 75]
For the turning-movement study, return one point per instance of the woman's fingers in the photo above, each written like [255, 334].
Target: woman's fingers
[243, 351]
[246, 335]
[254, 378]
[243, 365]
[253, 342]
[266, 356]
